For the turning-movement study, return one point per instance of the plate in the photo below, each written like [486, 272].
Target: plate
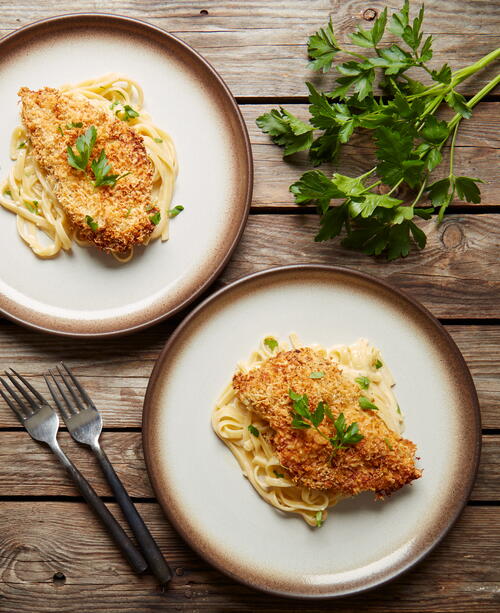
[200, 486]
[87, 293]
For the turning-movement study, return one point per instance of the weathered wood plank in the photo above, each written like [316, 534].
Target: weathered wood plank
[40, 539]
[30, 469]
[266, 41]
[116, 371]
[477, 155]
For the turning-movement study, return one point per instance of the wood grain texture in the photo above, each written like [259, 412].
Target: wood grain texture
[50, 537]
[477, 155]
[116, 371]
[30, 469]
[266, 41]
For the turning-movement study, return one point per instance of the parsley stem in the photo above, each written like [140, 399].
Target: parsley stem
[393, 189]
[420, 191]
[367, 173]
[452, 150]
[475, 99]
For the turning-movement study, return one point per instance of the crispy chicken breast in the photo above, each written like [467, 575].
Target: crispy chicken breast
[382, 461]
[122, 213]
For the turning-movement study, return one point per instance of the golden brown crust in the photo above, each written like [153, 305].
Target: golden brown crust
[382, 462]
[122, 212]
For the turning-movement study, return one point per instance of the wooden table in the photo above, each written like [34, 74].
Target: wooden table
[53, 554]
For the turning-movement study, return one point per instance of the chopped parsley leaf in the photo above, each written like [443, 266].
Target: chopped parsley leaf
[73, 124]
[60, 130]
[253, 430]
[158, 140]
[378, 364]
[155, 219]
[91, 223]
[318, 374]
[386, 441]
[22, 145]
[270, 342]
[363, 382]
[32, 206]
[319, 519]
[278, 475]
[175, 211]
[366, 405]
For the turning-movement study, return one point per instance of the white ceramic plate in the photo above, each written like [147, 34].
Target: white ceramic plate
[87, 292]
[199, 483]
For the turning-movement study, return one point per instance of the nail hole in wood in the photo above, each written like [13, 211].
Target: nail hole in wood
[369, 14]
[203, 12]
[59, 578]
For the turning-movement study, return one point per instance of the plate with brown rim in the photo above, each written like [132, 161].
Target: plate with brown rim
[364, 543]
[86, 292]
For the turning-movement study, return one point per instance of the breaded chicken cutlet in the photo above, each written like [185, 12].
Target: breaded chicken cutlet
[382, 461]
[120, 214]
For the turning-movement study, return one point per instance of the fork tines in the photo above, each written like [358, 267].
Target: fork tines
[72, 392]
[20, 408]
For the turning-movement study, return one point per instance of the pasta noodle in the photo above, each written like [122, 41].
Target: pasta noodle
[27, 184]
[256, 457]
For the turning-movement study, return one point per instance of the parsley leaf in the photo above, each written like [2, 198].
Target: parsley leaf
[363, 382]
[270, 342]
[378, 364]
[253, 430]
[321, 48]
[32, 206]
[317, 374]
[84, 145]
[155, 219]
[73, 124]
[319, 519]
[370, 38]
[127, 113]
[286, 130]
[304, 419]
[278, 475]
[366, 405]
[467, 189]
[101, 169]
[175, 211]
[91, 223]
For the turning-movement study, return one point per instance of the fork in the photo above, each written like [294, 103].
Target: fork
[84, 423]
[42, 423]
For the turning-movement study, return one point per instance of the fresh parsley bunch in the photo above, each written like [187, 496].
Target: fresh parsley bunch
[407, 136]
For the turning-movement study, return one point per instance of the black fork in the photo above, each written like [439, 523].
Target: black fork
[42, 423]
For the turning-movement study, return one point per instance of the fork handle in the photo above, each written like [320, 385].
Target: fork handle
[156, 561]
[130, 551]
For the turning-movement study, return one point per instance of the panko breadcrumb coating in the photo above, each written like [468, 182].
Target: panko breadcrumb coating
[122, 212]
[382, 462]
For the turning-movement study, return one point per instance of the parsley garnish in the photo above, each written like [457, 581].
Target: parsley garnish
[304, 419]
[84, 145]
[32, 206]
[407, 136]
[317, 374]
[155, 219]
[386, 441]
[127, 113]
[175, 211]
[319, 519]
[7, 192]
[158, 140]
[60, 130]
[91, 223]
[398, 410]
[73, 124]
[22, 145]
[253, 430]
[363, 382]
[366, 405]
[101, 169]
[278, 475]
[271, 342]
[378, 364]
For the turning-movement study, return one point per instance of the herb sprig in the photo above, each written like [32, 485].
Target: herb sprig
[408, 137]
[304, 419]
[100, 166]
